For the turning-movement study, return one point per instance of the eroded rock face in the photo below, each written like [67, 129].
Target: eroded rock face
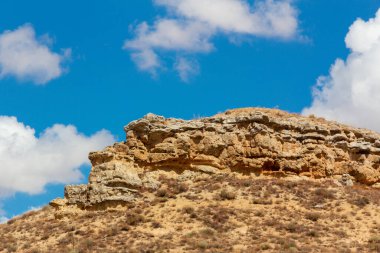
[250, 141]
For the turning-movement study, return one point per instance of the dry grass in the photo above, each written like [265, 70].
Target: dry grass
[217, 213]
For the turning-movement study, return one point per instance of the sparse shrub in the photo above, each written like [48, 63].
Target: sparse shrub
[361, 201]
[239, 183]
[191, 234]
[182, 187]
[312, 233]
[45, 236]
[319, 197]
[173, 186]
[162, 193]
[11, 221]
[133, 219]
[69, 228]
[207, 232]
[294, 227]
[374, 243]
[213, 186]
[291, 227]
[313, 216]
[247, 183]
[28, 214]
[265, 246]
[25, 246]
[65, 240]
[202, 245]
[216, 217]
[86, 245]
[34, 251]
[262, 201]
[368, 214]
[227, 195]
[324, 193]
[289, 245]
[271, 222]
[341, 233]
[125, 228]
[114, 230]
[188, 209]
[290, 184]
[11, 248]
[156, 224]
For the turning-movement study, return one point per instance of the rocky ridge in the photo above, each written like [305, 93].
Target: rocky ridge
[249, 141]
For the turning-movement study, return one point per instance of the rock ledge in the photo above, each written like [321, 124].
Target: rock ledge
[248, 141]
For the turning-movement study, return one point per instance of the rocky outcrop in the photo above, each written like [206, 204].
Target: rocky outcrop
[250, 141]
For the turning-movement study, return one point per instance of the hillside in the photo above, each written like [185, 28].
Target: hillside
[247, 180]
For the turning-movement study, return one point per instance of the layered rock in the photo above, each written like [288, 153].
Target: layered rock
[250, 141]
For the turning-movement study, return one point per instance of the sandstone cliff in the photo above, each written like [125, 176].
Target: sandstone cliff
[250, 141]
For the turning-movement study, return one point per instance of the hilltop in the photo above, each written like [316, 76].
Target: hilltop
[246, 180]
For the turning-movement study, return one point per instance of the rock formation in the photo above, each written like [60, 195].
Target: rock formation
[250, 141]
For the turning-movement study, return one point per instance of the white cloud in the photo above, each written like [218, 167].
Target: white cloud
[146, 60]
[351, 93]
[34, 208]
[191, 24]
[186, 68]
[28, 163]
[172, 34]
[28, 58]
[266, 18]
[3, 219]
[167, 35]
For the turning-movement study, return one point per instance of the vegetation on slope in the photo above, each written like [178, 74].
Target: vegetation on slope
[218, 213]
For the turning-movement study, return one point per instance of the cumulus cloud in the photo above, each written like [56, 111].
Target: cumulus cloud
[167, 35]
[267, 18]
[28, 58]
[30, 162]
[351, 92]
[191, 25]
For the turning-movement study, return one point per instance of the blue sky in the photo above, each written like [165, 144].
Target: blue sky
[99, 85]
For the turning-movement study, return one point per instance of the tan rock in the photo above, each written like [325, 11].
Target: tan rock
[58, 202]
[249, 140]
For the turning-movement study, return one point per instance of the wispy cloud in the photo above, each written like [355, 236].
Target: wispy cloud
[28, 58]
[186, 68]
[190, 26]
[351, 92]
